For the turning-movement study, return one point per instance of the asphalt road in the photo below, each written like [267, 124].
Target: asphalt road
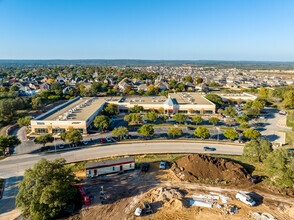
[12, 168]
[15, 165]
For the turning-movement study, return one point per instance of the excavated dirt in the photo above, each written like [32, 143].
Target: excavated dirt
[197, 166]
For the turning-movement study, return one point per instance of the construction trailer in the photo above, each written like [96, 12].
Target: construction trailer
[109, 166]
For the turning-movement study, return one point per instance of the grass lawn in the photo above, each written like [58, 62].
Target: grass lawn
[290, 123]
[289, 138]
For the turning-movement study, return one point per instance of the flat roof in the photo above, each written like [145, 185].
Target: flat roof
[109, 162]
[146, 100]
[189, 98]
[82, 113]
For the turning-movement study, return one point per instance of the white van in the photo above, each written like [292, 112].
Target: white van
[245, 199]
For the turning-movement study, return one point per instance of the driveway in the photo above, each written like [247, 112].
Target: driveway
[272, 122]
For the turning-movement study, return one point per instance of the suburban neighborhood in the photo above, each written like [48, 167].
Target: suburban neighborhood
[146, 110]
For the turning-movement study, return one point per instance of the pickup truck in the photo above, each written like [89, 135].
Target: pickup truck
[245, 199]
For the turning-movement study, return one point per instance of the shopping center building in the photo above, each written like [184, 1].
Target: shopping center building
[79, 113]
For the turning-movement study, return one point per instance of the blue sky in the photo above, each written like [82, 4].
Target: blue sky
[261, 30]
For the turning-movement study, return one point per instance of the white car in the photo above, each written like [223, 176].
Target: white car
[245, 198]
[108, 139]
[162, 165]
[138, 211]
[61, 145]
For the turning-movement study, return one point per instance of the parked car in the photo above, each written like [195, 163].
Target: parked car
[108, 139]
[102, 140]
[254, 179]
[209, 149]
[190, 128]
[147, 208]
[138, 211]
[162, 165]
[73, 145]
[61, 145]
[145, 167]
[85, 142]
[282, 112]
[127, 136]
[245, 198]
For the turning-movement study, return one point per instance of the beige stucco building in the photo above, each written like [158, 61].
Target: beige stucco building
[80, 113]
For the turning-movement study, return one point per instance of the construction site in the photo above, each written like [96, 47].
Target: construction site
[192, 187]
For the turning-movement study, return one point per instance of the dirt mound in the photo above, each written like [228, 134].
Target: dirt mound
[176, 204]
[198, 166]
[162, 193]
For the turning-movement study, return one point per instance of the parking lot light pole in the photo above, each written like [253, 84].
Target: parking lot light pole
[54, 143]
[53, 137]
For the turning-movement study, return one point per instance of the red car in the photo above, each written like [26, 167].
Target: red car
[87, 200]
[102, 140]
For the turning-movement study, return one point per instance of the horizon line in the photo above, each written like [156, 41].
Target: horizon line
[126, 59]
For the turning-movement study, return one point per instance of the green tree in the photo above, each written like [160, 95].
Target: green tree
[213, 84]
[201, 132]
[231, 134]
[163, 118]
[214, 120]
[245, 125]
[136, 109]
[146, 130]
[199, 80]
[253, 112]
[257, 104]
[25, 121]
[251, 133]
[44, 139]
[45, 94]
[179, 117]
[36, 102]
[74, 136]
[289, 99]
[241, 119]
[14, 88]
[46, 190]
[215, 99]
[102, 122]
[134, 118]
[197, 119]
[279, 167]
[56, 86]
[120, 132]
[174, 131]
[257, 149]
[8, 142]
[110, 110]
[188, 79]
[263, 92]
[151, 116]
[230, 111]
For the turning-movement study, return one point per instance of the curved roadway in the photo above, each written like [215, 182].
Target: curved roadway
[13, 168]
